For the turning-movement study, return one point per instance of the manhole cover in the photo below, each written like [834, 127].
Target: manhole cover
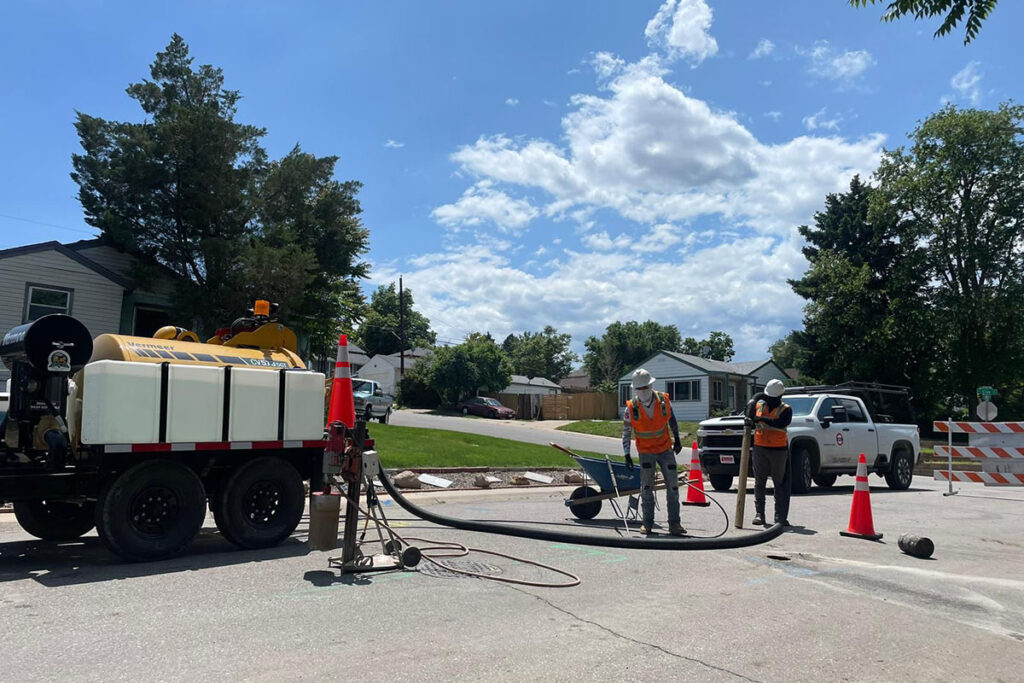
[431, 569]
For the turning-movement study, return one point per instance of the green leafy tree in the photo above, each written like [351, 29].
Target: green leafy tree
[867, 316]
[791, 351]
[462, 370]
[624, 345]
[380, 329]
[960, 187]
[952, 11]
[192, 189]
[541, 354]
[718, 346]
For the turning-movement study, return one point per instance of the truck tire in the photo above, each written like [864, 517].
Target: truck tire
[383, 419]
[803, 470]
[825, 481]
[368, 413]
[721, 482]
[261, 503]
[151, 511]
[901, 471]
[56, 520]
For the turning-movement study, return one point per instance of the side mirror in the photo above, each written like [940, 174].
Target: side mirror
[378, 392]
[826, 421]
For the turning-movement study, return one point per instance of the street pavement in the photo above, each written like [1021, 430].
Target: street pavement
[539, 432]
[808, 606]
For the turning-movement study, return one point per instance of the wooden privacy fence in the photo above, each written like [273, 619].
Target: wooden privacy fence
[593, 405]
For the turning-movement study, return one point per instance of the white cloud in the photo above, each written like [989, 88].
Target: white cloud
[482, 204]
[512, 102]
[843, 67]
[820, 119]
[773, 115]
[681, 28]
[549, 103]
[967, 83]
[764, 48]
[602, 241]
[393, 144]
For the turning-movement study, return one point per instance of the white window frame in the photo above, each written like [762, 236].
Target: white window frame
[625, 394]
[693, 391]
[717, 389]
[31, 287]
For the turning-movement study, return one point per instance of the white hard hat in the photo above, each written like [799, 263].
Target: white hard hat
[641, 379]
[774, 388]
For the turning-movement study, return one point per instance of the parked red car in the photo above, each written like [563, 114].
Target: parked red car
[485, 407]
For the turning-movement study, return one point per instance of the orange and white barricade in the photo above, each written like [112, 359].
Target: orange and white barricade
[999, 446]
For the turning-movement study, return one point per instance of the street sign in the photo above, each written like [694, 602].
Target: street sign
[986, 393]
[987, 410]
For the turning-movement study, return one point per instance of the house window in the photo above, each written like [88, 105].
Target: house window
[623, 394]
[716, 391]
[40, 301]
[687, 390]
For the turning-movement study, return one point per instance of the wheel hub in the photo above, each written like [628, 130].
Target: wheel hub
[262, 502]
[154, 510]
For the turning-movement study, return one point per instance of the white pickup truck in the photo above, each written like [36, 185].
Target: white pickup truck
[830, 430]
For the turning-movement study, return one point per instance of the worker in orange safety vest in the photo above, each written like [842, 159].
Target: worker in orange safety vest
[649, 418]
[771, 416]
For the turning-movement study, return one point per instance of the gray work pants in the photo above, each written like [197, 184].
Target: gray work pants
[771, 461]
[667, 462]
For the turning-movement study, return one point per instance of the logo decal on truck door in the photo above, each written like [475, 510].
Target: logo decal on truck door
[839, 439]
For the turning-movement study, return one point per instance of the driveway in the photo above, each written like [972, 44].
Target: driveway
[539, 432]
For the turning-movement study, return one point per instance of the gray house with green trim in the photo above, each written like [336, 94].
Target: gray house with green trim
[92, 281]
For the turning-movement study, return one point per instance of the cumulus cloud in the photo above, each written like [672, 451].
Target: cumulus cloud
[967, 83]
[844, 67]
[482, 204]
[821, 119]
[764, 48]
[773, 115]
[681, 28]
[393, 144]
[512, 102]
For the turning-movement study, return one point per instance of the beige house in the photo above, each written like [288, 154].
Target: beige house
[89, 280]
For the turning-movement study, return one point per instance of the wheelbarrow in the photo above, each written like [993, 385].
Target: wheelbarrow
[613, 479]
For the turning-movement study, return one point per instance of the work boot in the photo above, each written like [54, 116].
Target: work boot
[676, 529]
[783, 522]
[645, 530]
[758, 519]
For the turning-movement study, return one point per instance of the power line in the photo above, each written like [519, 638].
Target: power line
[49, 225]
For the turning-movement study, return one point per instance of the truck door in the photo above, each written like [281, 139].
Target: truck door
[831, 444]
[858, 431]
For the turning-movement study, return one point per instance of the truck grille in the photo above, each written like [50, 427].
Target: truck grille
[723, 441]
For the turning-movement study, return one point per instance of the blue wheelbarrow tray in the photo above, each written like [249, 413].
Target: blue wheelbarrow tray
[626, 478]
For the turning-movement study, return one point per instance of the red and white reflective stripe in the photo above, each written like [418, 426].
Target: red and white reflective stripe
[979, 427]
[342, 368]
[979, 452]
[861, 484]
[209, 446]
[990, 478]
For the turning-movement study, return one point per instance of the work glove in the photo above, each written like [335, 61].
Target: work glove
[677, 446]
[748, 423]
[629, 461]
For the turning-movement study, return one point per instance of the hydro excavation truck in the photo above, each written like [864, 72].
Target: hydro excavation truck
[136, 435]
[832, 426]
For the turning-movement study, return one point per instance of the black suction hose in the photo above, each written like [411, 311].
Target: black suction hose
[669, 543]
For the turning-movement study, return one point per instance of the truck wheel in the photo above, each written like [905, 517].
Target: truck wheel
[261, 504]
[901, 471]
[368, 414]
[825, 481]
[383, 419]
[151, 511]
[584, 510]
[721, 482]
[802, 471]
[55, 520]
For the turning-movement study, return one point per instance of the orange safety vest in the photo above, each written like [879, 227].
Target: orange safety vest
[769, 437]
[651, 431]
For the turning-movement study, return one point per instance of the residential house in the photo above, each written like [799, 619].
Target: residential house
[699, 387]
[386, 369]
[521, 384]
[92, 281]
[577, 380]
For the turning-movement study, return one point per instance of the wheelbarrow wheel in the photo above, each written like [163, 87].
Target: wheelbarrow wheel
[585, 510]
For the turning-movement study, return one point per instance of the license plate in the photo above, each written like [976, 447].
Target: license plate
[727, 459]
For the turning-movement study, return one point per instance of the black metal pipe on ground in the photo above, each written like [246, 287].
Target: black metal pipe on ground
[660, 543]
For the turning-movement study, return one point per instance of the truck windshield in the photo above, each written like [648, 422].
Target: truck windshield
[801, 405]
[361, 385]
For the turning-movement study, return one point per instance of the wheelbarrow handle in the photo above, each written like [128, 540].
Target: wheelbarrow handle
[563, 449]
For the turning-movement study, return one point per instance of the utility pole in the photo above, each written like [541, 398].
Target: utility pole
[401, 328]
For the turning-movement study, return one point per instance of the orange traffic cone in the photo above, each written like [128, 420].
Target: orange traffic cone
[343, 408]
[695, 490]
[861, 525]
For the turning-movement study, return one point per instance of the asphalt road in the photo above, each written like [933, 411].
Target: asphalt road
[809, 606]
[530, 432]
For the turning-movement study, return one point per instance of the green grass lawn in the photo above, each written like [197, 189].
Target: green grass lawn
[402, 447]
[614, 427]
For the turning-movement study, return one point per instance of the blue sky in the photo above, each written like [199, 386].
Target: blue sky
[529, 163]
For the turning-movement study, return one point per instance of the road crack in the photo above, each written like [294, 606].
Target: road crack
[630, 639]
